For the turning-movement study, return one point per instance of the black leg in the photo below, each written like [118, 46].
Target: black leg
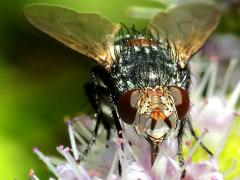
[196, 137]
[179, 139]
[94, 94]
[180, 136]
[116, 119]
[180, 143]
[115, 115]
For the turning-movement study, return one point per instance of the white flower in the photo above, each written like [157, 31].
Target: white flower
[134, 164]
[215, 111]
[204, 170]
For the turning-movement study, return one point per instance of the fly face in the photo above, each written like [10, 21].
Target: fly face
[154, 112]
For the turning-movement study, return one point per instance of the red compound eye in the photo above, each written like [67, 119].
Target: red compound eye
[127, 106]
[181, 100]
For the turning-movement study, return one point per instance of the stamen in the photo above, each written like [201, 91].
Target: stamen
[72, 141]
[110, 174]
[231, 168]
[123, 161]
[46, 160]
[204, 81]
[84, 131]
[65, 153]
[188, 143]
[225, 138]
[200, 139]
[234, 97]
[32, 175]
[191, 152]
[79, 138]
[228, 75]
[213, 79]
[127, 147]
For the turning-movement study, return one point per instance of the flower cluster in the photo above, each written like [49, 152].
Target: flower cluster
[130, 157]
[134, 159]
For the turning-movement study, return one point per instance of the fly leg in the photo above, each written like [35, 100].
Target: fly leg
[115, 115]
[193, 133]
[180, 136]
[116, 120]
[95, 92]
[179, 139]
[100, 95]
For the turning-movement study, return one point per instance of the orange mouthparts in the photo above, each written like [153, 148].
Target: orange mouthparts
[157, 114]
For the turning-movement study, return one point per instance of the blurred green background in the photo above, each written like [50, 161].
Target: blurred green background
[41, 81]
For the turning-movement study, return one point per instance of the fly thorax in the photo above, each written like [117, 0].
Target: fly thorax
[142, 61]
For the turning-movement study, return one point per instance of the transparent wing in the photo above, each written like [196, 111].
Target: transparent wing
[186, 27]
[87, 33]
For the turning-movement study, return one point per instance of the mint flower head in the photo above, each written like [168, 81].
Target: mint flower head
[129, 158]
[217, 109]
[134, 159]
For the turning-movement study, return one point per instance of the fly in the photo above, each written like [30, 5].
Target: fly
[142, 77]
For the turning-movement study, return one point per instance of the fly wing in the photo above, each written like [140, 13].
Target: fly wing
[186, 28]
[88, 33]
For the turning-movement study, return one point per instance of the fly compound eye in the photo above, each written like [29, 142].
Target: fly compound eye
[181, 100]
[127, 106]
